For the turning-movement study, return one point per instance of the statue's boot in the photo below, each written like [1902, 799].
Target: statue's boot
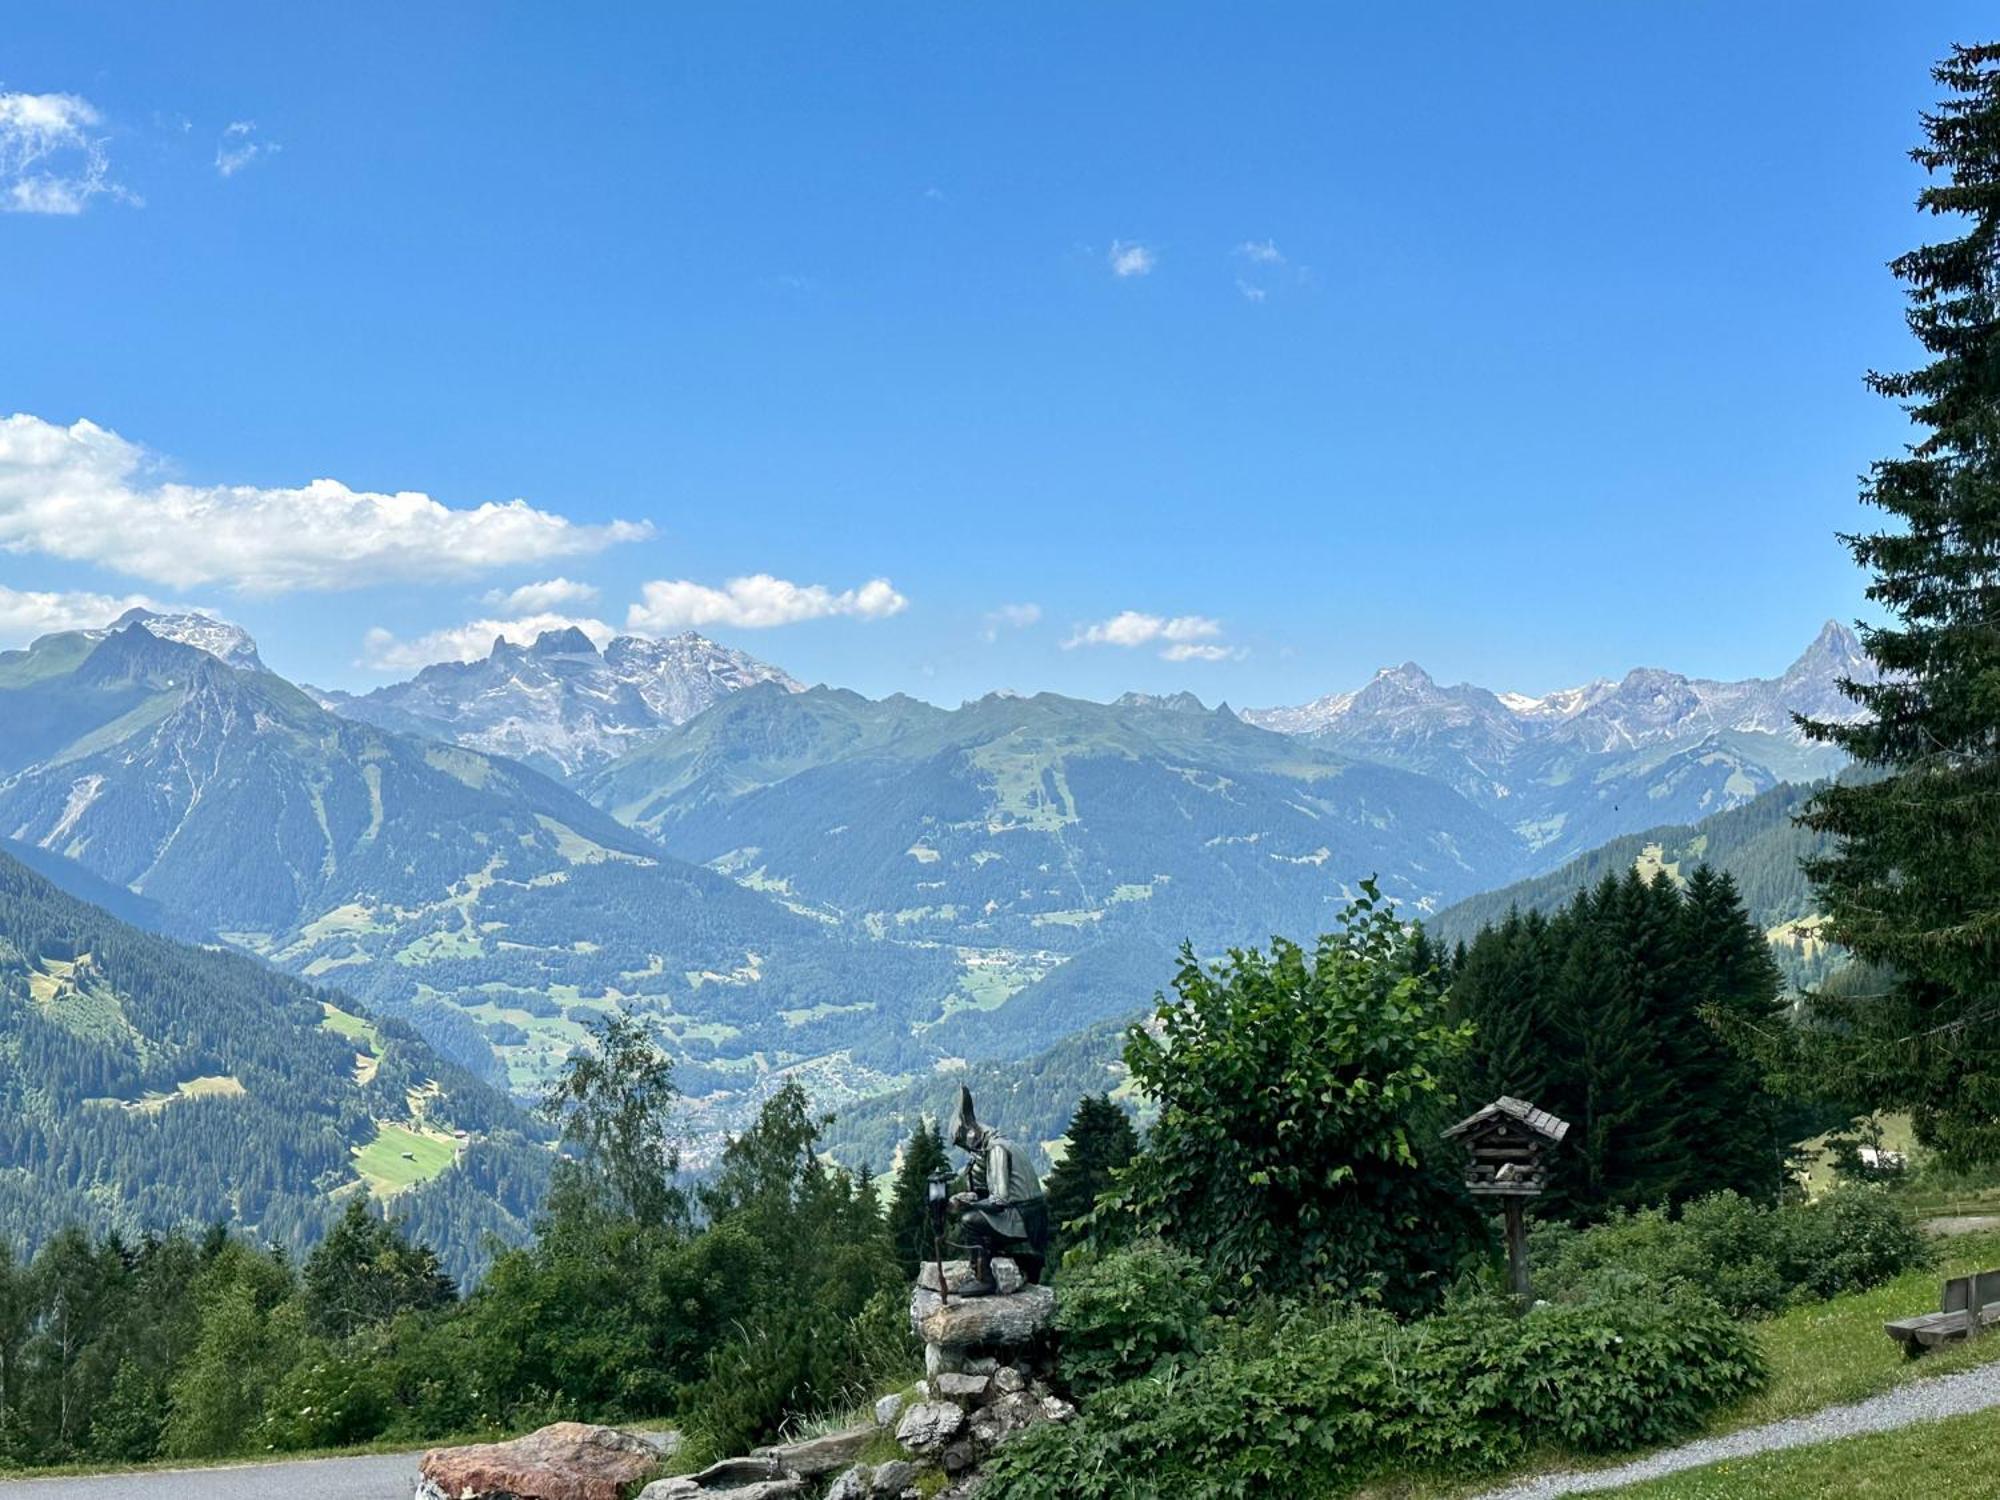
[984, 1282]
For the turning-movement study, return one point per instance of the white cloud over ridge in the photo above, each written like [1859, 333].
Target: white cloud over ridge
[27, 614]
[384, 651]
[540, 598]
[50, 162]
[1010, 617]
[86, 494]
[1134, 628]
[1179, 637]
[756, 602]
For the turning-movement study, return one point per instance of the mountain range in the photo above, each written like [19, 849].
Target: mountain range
[808, 879]
[1570, 769]
[559, 704]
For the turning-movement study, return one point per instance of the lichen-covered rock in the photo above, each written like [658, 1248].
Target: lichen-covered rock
[958, 1276]
[959, 1456]
[888, 1409]
[853, 1485]
[687, 1487]
[1056, 1409]
[1007, 1381]
[820, 1455]
[987, 1322]
[929, 1425]
[563, 1461]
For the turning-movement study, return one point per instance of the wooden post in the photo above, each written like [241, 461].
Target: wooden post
[1517, 1250]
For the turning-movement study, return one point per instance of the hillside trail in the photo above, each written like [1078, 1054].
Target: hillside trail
[1923, 1400]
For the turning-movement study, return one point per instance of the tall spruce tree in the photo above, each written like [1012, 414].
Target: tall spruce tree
[909, 1218]
[1101, 1140]
[1914, 881]
[1611, 1015]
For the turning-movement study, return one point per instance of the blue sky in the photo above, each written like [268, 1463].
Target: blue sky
[1526, 342]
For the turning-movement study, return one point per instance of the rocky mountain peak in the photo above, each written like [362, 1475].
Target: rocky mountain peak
[569, 641]
[229, 644]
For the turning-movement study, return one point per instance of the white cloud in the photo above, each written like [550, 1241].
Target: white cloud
[1010, 617]
[239, 147]
[83, 492]
[1180, 637]
[50, 163]
[540, 598]
[1252, 293]
[755, 603]
[1128, 258]
[1261, 252]
[24, 615]
[1190, 651]
[384, 651]
[1131, 628]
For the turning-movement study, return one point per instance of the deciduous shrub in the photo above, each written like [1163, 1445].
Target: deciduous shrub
[1751, 1259]
[1319, 1399]
[1300, 1103]
[1123, 1313]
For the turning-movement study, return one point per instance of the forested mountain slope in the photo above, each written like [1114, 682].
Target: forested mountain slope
[146, 1084]
[1759, 845]
[1045, 822]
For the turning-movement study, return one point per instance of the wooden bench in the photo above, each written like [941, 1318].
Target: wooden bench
[1969, 1304]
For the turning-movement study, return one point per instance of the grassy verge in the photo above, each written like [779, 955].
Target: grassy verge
[1821, 1354]
[1948, 1460]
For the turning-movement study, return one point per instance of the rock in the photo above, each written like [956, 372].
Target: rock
[563, 1461]
[888, 1409]
[855, 1484]
[958, 1276]
[929, 1425]
[1008, 1381]
[739, 1473]
[690, 1487]
[820, 1455]
[938, 1359]
[1004, 1322]
[892, 1478]
[1056, 1409]
[958, 1457]
[966, 1390]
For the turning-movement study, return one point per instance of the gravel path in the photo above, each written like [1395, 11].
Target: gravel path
[1918, 1401]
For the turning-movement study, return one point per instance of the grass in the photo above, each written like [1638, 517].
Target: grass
[1948, 1460]
[1820, 1354]
[383, 1165]
[1827, 1352]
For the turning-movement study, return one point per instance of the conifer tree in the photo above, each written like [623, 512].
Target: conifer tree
[1913, 883]
[909, 1217]
[1101, 1140]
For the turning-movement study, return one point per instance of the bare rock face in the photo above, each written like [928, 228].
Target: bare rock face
[564, 1461]
[929, 1425]
[985, 1322]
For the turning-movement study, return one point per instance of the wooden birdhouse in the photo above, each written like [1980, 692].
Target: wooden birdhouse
[1508, 1144]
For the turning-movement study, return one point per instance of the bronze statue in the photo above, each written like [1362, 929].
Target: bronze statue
[1000, 1208]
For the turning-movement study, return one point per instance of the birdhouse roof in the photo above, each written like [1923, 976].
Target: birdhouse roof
[1503, 1109]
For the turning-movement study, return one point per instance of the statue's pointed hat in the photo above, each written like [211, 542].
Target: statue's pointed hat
[962, 1122]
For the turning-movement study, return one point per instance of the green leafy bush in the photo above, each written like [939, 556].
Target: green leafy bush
[334, 1395]
[1121, 1314]
[1300, 1103]
[1321, 1398]
[1751, 1259]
